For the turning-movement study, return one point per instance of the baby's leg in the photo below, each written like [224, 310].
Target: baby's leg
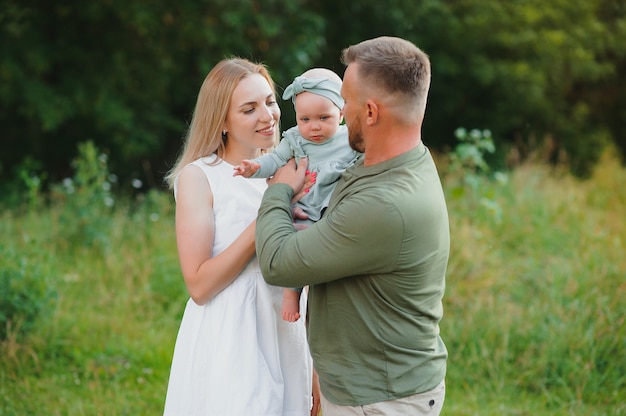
[291, 304]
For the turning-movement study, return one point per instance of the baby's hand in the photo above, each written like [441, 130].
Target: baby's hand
[246, 169]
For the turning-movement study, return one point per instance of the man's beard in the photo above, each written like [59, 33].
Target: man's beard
[355, 136]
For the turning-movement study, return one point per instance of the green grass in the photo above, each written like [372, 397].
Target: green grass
[535, 301]
[534, 307]
[105, 347]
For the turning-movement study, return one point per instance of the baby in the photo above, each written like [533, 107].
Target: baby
[320, 136]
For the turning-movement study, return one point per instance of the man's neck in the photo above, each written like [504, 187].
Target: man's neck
[392, 143]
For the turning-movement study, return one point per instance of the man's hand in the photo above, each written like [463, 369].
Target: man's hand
[292, 175]
[317, 407]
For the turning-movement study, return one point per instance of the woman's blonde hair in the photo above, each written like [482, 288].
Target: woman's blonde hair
[204, 136]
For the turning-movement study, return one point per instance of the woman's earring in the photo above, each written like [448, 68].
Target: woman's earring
[224, 134]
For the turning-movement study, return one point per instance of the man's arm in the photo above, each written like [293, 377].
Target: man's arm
[350, 240]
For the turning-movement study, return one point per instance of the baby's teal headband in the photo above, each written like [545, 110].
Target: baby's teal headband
[319, 86]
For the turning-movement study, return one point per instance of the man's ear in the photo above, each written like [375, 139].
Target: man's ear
[372, 112]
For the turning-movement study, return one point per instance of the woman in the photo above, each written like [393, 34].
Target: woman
[234, 355]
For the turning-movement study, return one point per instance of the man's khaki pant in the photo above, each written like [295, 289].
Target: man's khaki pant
[422, 404]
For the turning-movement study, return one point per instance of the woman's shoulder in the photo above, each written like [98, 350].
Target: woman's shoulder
[202, 168]
[192, 176]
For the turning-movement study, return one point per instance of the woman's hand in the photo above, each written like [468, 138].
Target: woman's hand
[309, 181]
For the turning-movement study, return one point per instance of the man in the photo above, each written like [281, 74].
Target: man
[376, 261]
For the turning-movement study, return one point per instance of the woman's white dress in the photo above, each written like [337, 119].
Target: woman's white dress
[235, 355]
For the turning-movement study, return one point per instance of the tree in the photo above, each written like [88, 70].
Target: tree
[524, 69]
[532, 72]
[125, 74]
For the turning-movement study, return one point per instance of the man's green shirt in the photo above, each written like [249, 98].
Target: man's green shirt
[376, 265]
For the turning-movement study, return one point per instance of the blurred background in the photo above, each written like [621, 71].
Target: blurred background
[525, 119]
[546, 77]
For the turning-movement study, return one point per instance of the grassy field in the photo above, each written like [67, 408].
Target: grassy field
[534, 308]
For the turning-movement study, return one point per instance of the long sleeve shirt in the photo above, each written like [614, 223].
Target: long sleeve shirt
[376, 265]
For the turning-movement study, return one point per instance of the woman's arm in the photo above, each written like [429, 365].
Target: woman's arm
[205, 276]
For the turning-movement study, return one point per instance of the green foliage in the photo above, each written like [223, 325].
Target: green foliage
[468, 156]
[105, 346]
[534, 311]
[25, 292]
[131, 87]
[26, 189]
[88, 200]
[529, 70]
[533, 307]
[469, 176]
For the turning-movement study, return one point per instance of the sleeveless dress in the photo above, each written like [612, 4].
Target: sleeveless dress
[235, 355]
